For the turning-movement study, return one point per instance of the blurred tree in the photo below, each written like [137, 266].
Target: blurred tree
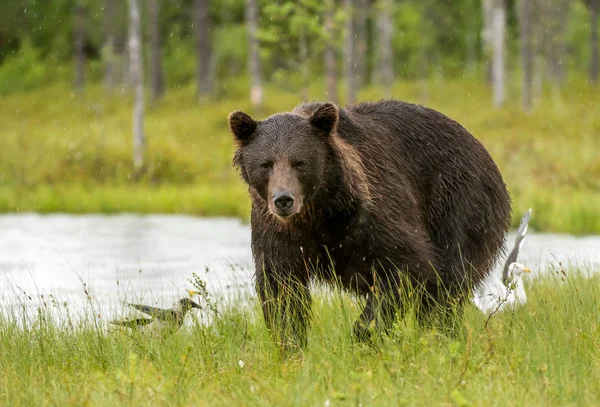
[304, 73]
[553, 20]
[79, 43]
[256, 87]
[445, 38]
[203, 48]
[109, 48]
[487, 37]
[305, 22]
[594, 7]
[426, 42]
[470, 25]
[330, 52]
[137, 81]
[386, 62]
[293, 36]
[361, 41]
[525, 27]
[349, 53]
[157, 84]
[498, 28]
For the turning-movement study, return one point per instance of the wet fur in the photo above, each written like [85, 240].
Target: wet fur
[405, 189]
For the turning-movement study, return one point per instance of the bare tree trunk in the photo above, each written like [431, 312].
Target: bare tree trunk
[330, 53]
[305, 75]
[109, 54]
[498, 64]
[136, 78]
[563, 21]
[256, 88]
[79, 41]
[486, 37]
[349, 63]
[386, 47]
[124, 63]
[525, 17]
[203, 49]
[594, 59]
[555, 19]
[425, 52]
[538, 44]
[360, 35]
[423, 75]
[157, 83]
[471, 46]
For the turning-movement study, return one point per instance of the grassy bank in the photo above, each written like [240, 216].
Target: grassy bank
[545, 353]
[67, 153]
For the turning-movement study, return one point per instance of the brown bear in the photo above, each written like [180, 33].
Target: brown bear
[368, 196]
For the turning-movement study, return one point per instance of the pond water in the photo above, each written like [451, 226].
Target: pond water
[151, 258]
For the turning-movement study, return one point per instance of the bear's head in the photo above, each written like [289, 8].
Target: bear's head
[285, 158]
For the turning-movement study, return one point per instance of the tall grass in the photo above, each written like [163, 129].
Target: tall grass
[67, 153]
[545, 353]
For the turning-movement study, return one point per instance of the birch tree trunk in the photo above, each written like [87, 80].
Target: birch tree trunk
[498, 25]
[109, 54]
[256, 88]
[79, 42]
[157, 84]
[330, 53]
[385, 43]
[525, 17]
[137, 82]
[203, 49]
[349, 63]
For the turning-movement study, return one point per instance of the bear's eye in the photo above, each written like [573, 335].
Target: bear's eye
[266, 165]
[297, 164]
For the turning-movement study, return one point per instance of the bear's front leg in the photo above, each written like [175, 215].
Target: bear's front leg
[382, 303]
[285, 300]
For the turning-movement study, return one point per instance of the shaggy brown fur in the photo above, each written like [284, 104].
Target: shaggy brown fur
[371, 194]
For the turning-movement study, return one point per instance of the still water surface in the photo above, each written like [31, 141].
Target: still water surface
[151, 258]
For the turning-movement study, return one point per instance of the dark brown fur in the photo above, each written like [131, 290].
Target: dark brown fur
[383, 189]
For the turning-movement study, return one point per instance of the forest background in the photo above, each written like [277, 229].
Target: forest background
[112, 106]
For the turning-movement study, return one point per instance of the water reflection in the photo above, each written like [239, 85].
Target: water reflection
[151, 258]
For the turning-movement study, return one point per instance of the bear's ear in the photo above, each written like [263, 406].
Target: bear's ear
[242, 126]
[325, 117]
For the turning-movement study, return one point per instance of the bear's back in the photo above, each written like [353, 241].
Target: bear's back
[414, 153]
[416, 142]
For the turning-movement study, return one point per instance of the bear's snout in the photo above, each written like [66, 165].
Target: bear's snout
[285, 191]
[283, 204]
[283, 200]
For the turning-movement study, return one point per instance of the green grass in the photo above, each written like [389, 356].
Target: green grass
[67, 153]
[545, 353]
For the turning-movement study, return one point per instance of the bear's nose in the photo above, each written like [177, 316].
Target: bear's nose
[283, 200]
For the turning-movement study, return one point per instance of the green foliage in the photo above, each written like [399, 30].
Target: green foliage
[544, 353]
[285, 25]
[431, 38]
[408, 38]
[231, 56]
[180, 62]
[23, 70]
[578, 32]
